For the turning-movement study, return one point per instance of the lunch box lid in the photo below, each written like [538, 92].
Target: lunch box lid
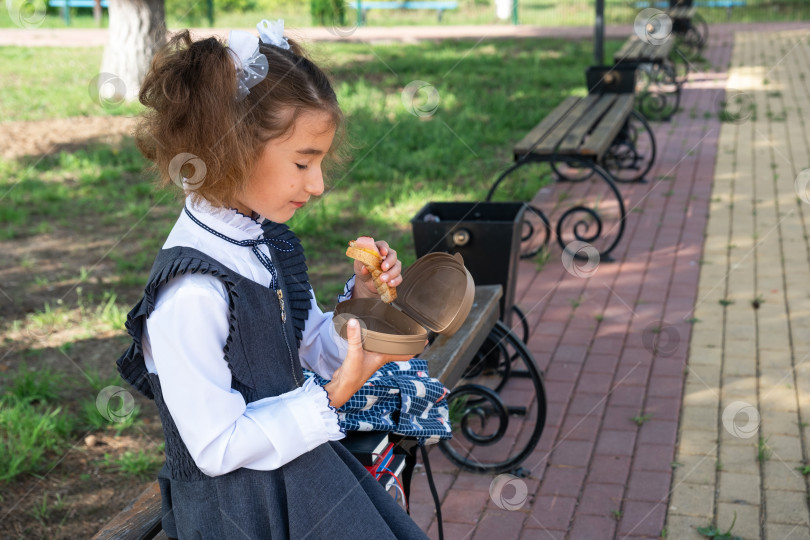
[437, 291]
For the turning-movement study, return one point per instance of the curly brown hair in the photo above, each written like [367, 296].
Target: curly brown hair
[190, 92]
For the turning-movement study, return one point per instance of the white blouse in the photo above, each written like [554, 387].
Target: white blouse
[183, 343]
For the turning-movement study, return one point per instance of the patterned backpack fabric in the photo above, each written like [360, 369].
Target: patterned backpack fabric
[400, 398]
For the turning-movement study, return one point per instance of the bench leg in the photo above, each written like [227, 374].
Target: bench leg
[589, 218]
[702, 28]
[486, 400]
[535, 238]
[536, 226]
[582, 225]
[659, 94]
[632, 154]
[690, 41]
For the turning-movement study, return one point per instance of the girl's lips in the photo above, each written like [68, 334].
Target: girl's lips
[298, 204]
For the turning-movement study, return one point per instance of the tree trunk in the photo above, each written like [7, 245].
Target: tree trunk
[97, 12]
[137, 31]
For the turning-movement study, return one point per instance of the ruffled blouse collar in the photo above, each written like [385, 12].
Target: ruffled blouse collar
[227, 221]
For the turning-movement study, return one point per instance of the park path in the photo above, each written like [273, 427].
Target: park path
[642, 358]
[744, 422]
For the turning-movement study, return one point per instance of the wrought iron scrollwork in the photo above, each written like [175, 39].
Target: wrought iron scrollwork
[659, 90]
[485, 405]
[613, 196]
[588, 220]
[632, 154]
[481, 409]
[692, 36]
[536, 232]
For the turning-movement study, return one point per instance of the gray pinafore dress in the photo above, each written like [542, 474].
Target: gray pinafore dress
[323, 494]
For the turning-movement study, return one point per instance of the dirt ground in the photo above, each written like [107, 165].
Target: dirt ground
[51, 136]
[79, 494]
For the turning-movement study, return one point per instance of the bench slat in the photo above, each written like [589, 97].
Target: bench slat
[660, 50]
[605, 132]
[543, 128]
[139, 520]
[639, 46]
[448, 357]
[626, 48]
[636, 50]
[573, 140]
[558, 132]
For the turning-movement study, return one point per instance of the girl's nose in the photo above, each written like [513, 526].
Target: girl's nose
[315, 183]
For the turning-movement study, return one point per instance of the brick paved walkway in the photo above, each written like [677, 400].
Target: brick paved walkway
[614, 347]
[747, 394]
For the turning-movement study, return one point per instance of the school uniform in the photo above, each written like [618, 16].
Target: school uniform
[218, 341]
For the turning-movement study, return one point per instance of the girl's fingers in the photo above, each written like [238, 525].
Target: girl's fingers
[355, 340]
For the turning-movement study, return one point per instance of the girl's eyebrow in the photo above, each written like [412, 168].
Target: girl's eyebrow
[310, 151]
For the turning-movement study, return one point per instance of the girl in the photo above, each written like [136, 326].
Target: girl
[228, 318]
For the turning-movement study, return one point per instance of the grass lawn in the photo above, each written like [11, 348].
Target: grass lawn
[80, 230]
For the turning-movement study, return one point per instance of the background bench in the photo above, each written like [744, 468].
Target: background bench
[658, 92]
[67, 4]
[598, 138]
[689, 26]
[363, 7]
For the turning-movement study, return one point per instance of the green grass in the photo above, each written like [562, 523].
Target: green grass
[143, 463]
[640, 418]
[715, 533]
[401, 161]
[764, 452]
[47, 83]
[32, 433]
[34, 386]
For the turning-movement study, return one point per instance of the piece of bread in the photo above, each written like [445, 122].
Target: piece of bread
[373, 262]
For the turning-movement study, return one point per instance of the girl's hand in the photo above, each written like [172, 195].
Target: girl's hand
[357, 367]
[392, 272]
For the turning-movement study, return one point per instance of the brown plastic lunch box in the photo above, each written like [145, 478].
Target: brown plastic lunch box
[436, 293]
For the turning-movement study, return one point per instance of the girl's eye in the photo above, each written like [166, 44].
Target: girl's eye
[301, 167]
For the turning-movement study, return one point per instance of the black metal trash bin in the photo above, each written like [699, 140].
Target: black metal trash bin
[486, 234]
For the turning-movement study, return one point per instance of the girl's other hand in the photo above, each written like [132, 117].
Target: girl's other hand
[357, 367]
[391, 267]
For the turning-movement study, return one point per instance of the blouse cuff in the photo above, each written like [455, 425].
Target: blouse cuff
[347, 289]
[328, 414]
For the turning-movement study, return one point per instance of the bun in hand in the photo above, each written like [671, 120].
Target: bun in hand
[372, 260]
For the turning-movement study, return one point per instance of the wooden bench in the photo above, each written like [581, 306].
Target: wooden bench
[67, 4]
[363, 7]
[447, 357]
[659, 92]
[579, 134]
[689, 27]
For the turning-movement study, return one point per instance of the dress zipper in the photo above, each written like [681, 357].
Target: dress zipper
[283, 311]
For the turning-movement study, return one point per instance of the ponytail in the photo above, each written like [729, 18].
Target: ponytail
[189, 93]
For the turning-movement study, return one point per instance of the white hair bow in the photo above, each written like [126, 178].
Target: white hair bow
[251, 65]
[272, 33]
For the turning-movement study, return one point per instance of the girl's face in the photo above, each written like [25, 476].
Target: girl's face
[288, 171]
